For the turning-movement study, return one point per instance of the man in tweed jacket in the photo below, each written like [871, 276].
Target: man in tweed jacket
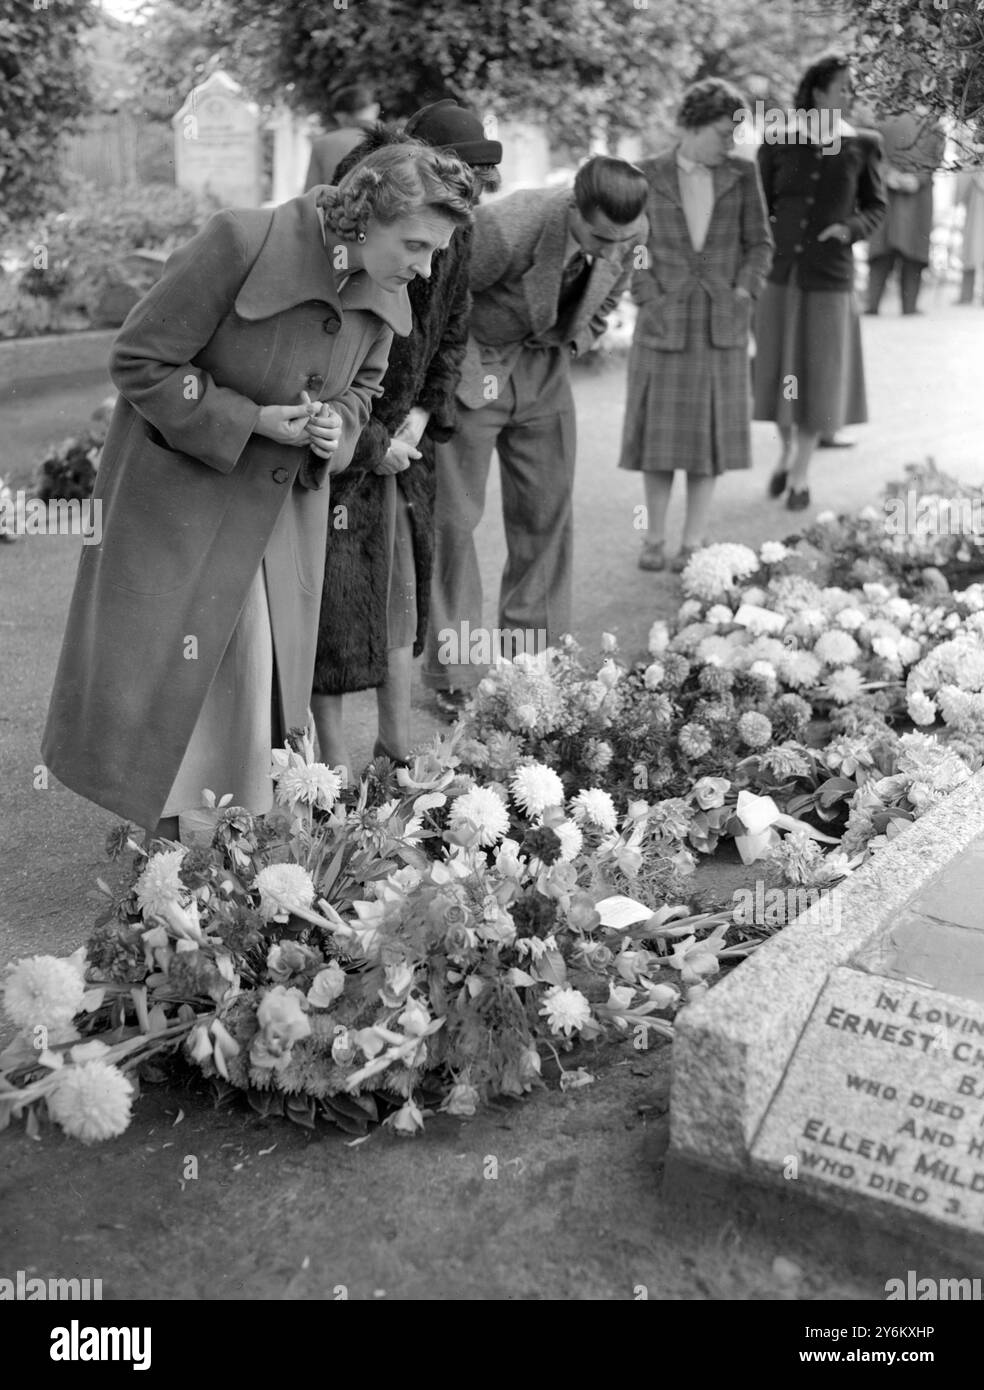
[548, 267]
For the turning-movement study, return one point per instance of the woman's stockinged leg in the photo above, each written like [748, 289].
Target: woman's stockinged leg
[327, 712]
[657, 486]
[393, 702]
[799, 472]
[700, 491]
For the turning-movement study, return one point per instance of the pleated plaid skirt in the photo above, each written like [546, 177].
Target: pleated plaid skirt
[808, 367]
[690, 409]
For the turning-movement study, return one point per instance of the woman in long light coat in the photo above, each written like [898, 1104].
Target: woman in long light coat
[190, 642]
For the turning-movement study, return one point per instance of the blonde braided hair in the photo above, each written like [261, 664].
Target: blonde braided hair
[397, 181]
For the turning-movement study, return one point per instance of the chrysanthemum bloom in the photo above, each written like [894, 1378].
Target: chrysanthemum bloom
[314, 784]
[566, 1010]
[160, 882]
[796, 711]
[719, 614]
[482, 809]
[652, 675]
[535, 787]
[598, 755]
[716, 680]
[676, 669]
[754, 729]
[570, 837]
[716, 651]
[282, 888]
[772, 552]
[596, 807]
[836, 649]
[799, 668]
[844, 685]
[42, 992]
[91, 1101]
[694, 740]
[282, 1022]
[711, 572]
[849, 618]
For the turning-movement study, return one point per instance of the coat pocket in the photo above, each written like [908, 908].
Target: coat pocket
[164, 519]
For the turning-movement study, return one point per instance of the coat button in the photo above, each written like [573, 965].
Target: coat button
[815, 174]
[280, 475]
[331, 325]
[797, 249]
[803, 222]
[810, 201]
[315, 382]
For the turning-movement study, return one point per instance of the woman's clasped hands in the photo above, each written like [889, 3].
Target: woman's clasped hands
[312, 424]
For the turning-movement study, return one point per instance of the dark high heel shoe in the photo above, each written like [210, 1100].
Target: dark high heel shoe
[798, 501]
[777, 483]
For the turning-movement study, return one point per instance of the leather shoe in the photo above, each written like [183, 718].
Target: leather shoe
[777, 483]
[832, 441]
[798, 501]
[652, 556]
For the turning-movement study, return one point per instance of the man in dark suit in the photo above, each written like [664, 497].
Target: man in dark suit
[354, 109]
[548, 267]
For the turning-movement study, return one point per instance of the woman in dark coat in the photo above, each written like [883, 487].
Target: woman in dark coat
[708, 251]
[190, 640]
[379, 559]
[824, 191]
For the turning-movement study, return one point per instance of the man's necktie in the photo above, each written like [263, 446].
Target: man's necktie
[572, 282]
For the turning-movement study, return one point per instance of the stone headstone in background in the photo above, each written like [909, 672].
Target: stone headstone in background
[217, 143]
[844, 1060]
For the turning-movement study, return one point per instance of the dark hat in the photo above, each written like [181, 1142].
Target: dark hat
[449, 126]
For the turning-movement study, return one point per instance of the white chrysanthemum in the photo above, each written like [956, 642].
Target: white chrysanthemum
[808, 622]
[283, 888]
[909, 650]
[535, 787]
[159, 885]
[921, 708]
[844, 685]
[836, 649]
[314, 784]
[972, 598]
[42, 991]
[595, 807]
[772, 552]
[764, 669]
[571, 839]
[898, 610]
[799, 669]
[715, 651]
[850, 618]
[711, 572]
[653, 675]
[91, 1101]
[484, 810]
[566, 1009]
[719, 614]
[689, 611]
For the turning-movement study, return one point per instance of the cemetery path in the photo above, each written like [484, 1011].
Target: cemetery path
[575, 1210]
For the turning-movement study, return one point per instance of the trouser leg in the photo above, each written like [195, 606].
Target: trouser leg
[462, 471]
[911, 279]
[536, 454]
[879, 269]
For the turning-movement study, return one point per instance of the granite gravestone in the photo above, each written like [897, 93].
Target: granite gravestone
[217, 143]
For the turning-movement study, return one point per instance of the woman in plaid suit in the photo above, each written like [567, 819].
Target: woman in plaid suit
[708, 253]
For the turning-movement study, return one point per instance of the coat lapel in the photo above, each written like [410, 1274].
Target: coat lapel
[294, 266]
[662, 175]
[541, 283]
[726, 175]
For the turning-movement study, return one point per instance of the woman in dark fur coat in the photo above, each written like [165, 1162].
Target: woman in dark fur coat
[380, 548]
